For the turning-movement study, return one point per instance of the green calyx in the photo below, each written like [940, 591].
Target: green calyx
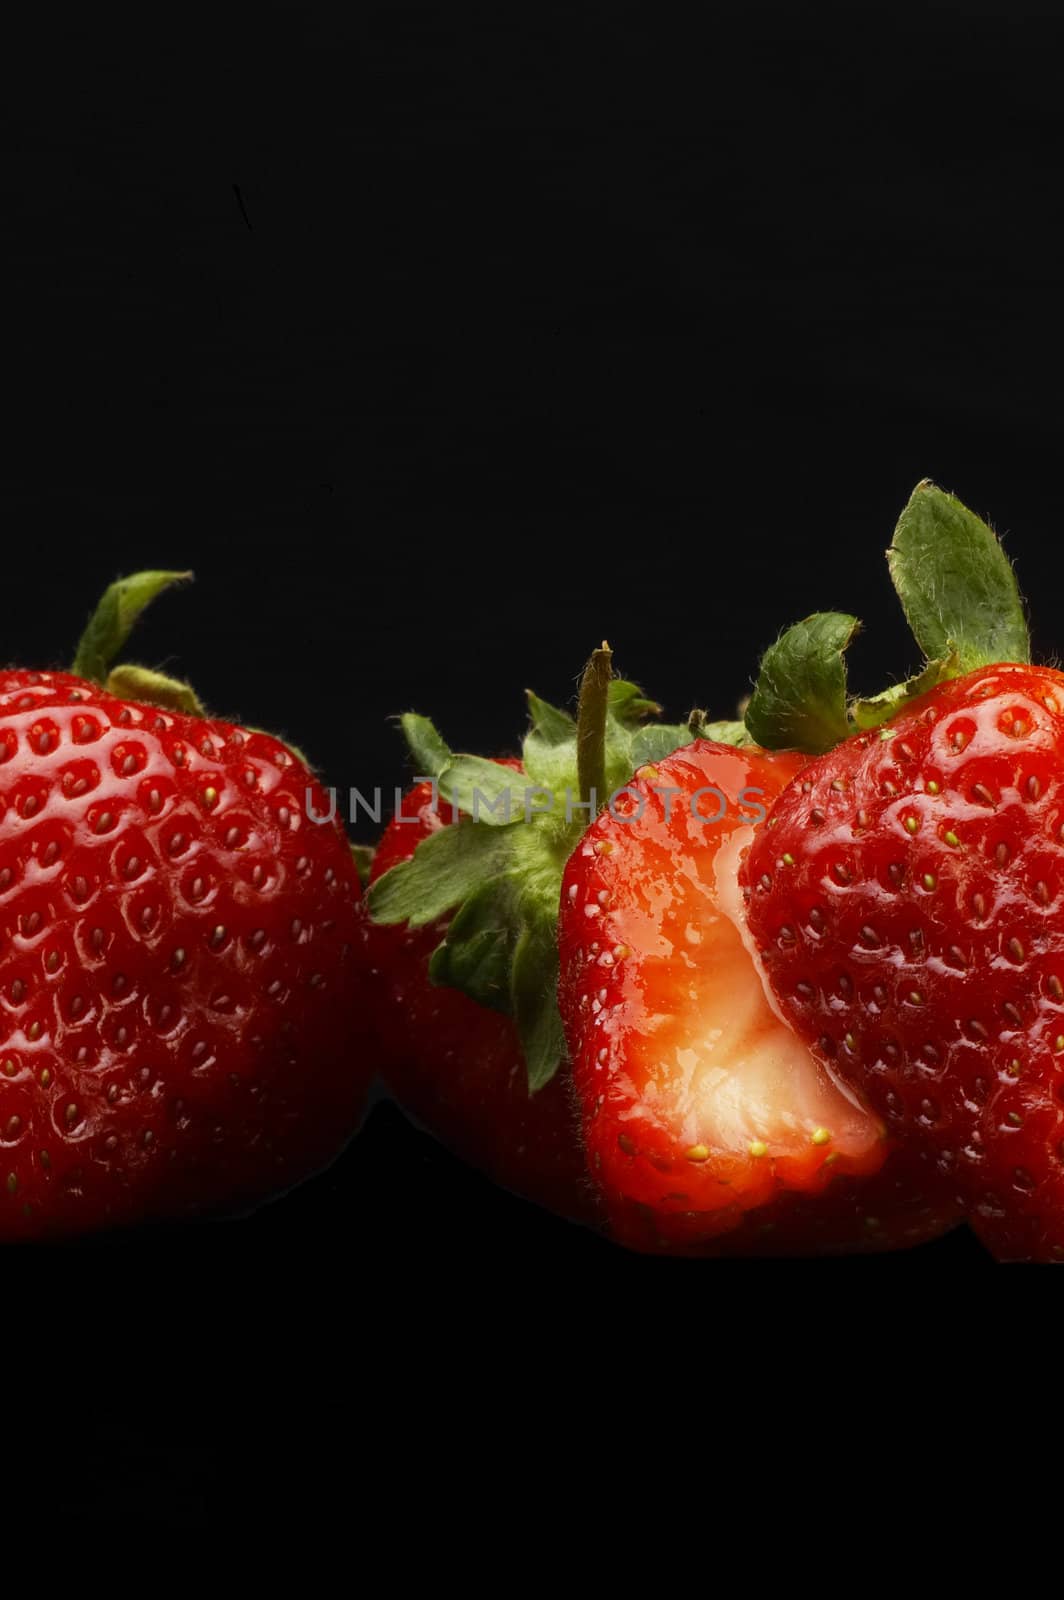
[496, 872]
[962, 603]
[105, 636]
[141, 683]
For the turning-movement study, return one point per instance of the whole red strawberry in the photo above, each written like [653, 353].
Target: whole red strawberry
[709, 1126]
[909, 905]
[178, 941]
[457, 1066]
[907, 896]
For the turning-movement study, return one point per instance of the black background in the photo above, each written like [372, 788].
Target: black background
[444, 341]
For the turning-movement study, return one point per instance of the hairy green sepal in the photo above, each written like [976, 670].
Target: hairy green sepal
[534, 993]
[445, 869]
[659, 739]
[114, 618]
[430, 754]
[478, 952]
[154, 688]
[955, 583]
[881, 708]
[799, 701]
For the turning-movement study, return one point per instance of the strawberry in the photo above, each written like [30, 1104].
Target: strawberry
[176, 936]
[457, 1066]
[464, 902]
[907, 897]
[909, 906]
[709, 1125]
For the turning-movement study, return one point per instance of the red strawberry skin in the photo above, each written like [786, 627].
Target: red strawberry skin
[710, 1129]
[177, 943]
[457, 1067]
[908, 903]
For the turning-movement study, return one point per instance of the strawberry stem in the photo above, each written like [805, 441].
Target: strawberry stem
[591, 712]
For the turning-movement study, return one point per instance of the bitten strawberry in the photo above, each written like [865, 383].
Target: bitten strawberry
[457, 1066]
[178, 943]
[907, 896]
[709, 1126]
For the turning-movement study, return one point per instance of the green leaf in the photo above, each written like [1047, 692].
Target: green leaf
[155, 689]
[112, 622]
[484, 790]
[476, 953]
[548, 751]
[430, 754]
[627, 702]
[550, 724]
[534, 1000]
[446, 867]
[955, 583]
[880, 708]
[735, 733]
[658, 740]
[799, 702]
[551, 766]
[617, 752]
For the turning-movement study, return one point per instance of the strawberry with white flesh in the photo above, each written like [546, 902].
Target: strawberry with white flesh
[907, 898]
[709, 1126]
